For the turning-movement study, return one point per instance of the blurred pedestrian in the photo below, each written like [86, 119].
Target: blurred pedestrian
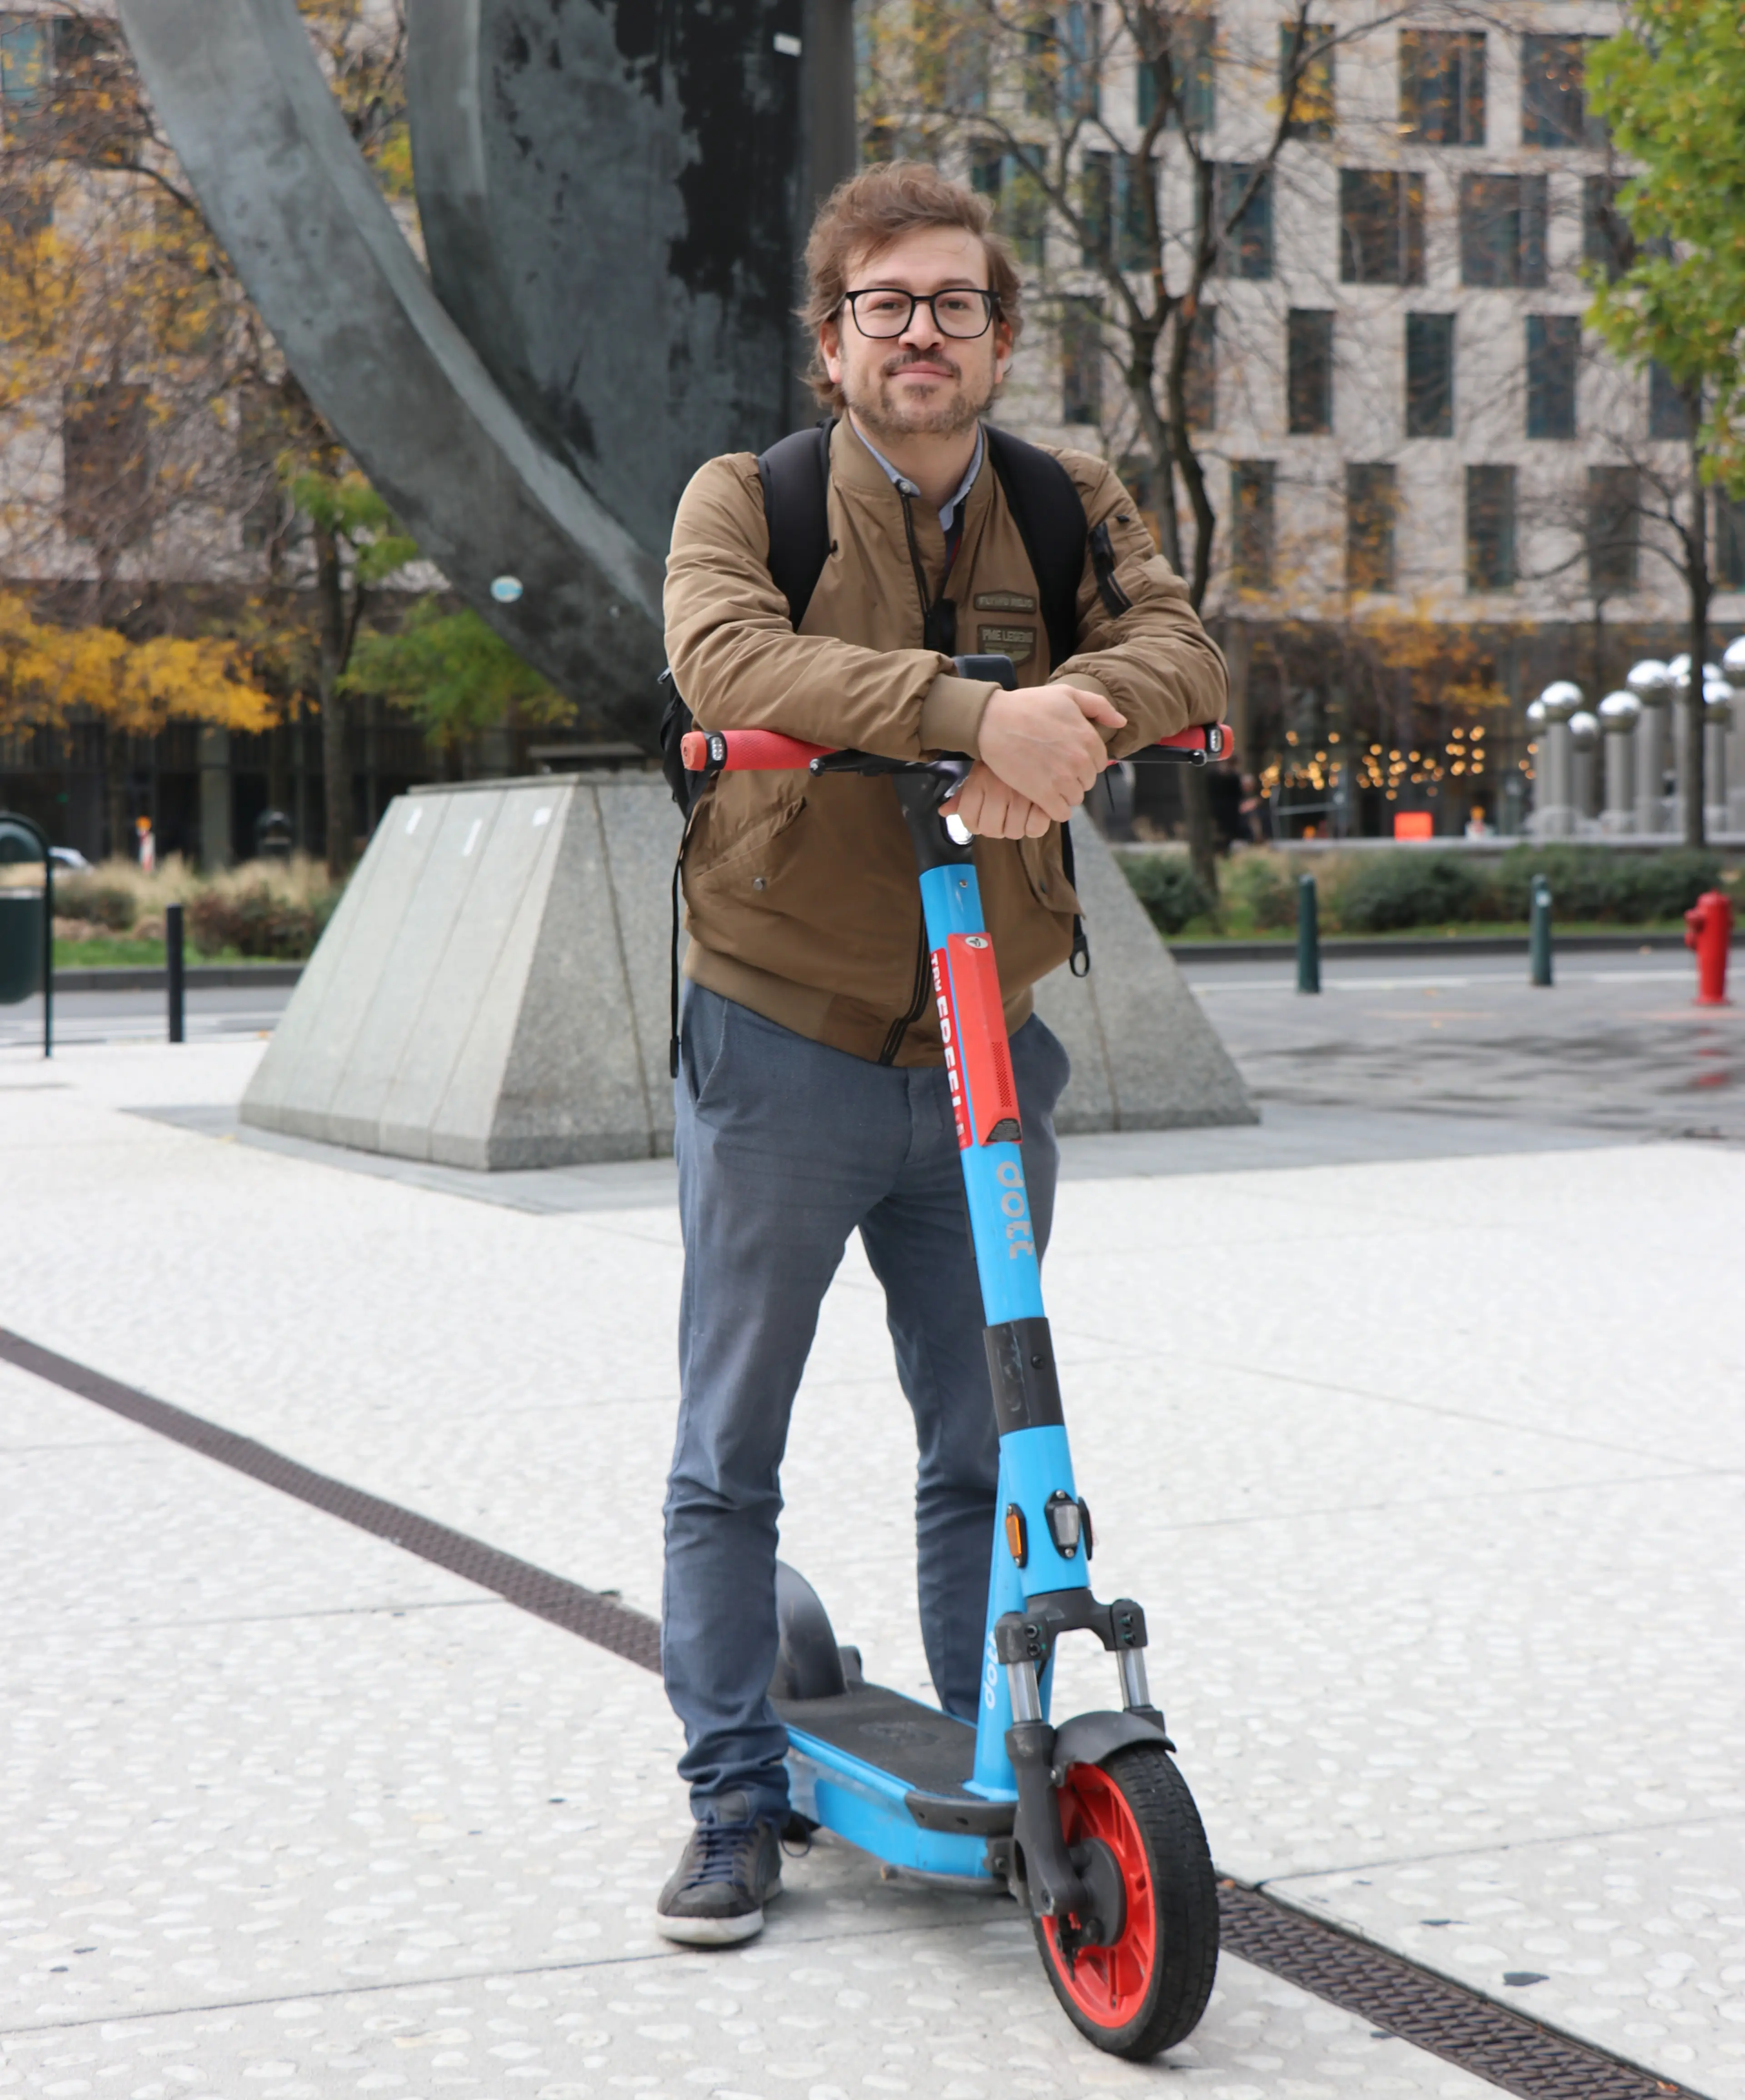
[147, 845]
[1257, 818]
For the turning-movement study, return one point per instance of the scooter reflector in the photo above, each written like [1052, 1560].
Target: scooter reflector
[978, 1059]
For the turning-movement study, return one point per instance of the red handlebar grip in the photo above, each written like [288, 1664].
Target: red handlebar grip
[1213, 739]
[747, 751]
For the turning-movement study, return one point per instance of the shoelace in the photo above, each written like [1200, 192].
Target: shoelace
[720, 1847]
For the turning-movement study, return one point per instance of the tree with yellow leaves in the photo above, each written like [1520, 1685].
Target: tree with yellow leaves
[48, 674]
[151, 435]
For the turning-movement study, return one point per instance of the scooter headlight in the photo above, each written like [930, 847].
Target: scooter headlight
[1065, 1523]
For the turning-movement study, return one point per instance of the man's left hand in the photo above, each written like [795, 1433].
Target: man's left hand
[986, 804]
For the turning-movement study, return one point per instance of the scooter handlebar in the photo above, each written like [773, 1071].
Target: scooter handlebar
[767, 751]
[747, 751]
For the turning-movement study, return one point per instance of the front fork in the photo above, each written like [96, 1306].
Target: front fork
[1037, 1583]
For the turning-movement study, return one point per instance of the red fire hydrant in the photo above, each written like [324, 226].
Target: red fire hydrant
[1708, 929]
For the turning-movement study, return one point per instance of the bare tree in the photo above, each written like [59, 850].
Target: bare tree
[1153, 224]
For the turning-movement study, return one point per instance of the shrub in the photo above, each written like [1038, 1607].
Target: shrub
[1593, 883]
[1383, 893]
[1167, 886]
[1259, 889]
[112, 905]
[255, 921]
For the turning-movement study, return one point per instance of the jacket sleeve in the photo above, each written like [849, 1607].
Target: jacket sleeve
[1154, 660]
[740, 664]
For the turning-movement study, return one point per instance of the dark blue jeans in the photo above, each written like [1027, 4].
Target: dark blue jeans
[785, 1147]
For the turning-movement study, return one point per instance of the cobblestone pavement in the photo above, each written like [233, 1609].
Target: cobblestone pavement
[1429, 1470]
[1617, 1043]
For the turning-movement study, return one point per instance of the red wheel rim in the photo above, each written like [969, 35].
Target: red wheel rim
[1109, 1984]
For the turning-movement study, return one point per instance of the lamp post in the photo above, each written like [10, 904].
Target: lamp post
[1733, 666]
[1653, 684]
[1554, 816]
[1719, 705]
[1584, 738]
[1619, 715]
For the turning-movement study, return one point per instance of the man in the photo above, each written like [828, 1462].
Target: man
[811, 1097]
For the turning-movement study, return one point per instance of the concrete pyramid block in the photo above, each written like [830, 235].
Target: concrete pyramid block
[492, 991]
[1144, 1056]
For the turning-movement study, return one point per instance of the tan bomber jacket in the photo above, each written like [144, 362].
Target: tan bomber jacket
[801, 896]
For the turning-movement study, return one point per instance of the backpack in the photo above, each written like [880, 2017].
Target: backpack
[1050, 516]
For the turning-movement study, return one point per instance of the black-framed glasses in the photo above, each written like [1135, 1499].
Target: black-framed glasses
[883, 310]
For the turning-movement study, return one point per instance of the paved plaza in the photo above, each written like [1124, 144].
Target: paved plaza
[1412, 1416]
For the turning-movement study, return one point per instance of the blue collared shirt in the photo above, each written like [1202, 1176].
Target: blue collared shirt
[948, 512]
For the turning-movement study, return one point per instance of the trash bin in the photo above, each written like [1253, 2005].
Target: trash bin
[23, 930]
[272, 836]
[20, 945]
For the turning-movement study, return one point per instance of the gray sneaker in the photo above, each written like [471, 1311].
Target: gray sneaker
[729, 1869]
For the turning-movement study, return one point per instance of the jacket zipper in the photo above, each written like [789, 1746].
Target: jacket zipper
[893, 1041]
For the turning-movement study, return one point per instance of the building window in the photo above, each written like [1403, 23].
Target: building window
[1430, 375]
[953, 56]
[27, 71]
[1667, 415]
[27, 212]
[1081, 41]
[1614, 518]
[1306, 50]
[1371, 500]
[1553, 347]
[1503, 229]
[1490, 528]
[1608, 247]
[1246, 249]
[1442, 86]
[1199, 379]
[104, 464]
[1081, 361]
[1020, 203]
[1309, 364]
[1251, 514]
[1183, 54]
[1553, 97]
[1113, 204]
[1381, 226]
[1729, 541]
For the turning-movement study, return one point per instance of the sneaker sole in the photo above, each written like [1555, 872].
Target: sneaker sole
[709, 1931]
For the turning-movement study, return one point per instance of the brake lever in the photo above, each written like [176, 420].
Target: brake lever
[953, 767]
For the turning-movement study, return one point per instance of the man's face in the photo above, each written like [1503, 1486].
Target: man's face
[922, 382]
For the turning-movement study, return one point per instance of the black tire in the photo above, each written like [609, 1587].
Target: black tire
[1147, 1992]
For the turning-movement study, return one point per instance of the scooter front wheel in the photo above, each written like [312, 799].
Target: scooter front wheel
[1146, 1990]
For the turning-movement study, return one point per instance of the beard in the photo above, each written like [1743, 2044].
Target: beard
[883, 413]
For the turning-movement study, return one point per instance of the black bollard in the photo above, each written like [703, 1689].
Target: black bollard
[173, 968]
[1538, 932]
[1308, 937]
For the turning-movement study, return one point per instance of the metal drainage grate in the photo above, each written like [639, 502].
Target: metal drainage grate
[1430, 2012]
[600, 1619]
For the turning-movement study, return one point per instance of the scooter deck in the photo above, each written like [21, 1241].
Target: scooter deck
[927, 1752]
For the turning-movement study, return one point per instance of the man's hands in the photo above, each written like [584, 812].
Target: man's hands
[1041, 755]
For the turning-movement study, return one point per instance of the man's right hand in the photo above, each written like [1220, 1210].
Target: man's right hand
[1042, 742]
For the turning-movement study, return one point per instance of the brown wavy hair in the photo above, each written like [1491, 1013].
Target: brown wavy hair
[866, 214]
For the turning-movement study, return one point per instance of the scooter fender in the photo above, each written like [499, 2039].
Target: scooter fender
[1087, 1739]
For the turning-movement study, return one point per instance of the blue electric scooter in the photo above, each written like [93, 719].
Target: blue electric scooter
[1088, 1824]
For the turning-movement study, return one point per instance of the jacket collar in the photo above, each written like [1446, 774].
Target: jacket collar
[854, 465]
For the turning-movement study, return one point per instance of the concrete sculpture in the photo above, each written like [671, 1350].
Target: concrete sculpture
[611, 293]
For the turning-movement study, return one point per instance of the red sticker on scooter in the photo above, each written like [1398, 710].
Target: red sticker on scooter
[978, 1059]
[947, 1035]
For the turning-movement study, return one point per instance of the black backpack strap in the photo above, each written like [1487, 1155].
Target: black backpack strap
[1050, 515]
[796, 475]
